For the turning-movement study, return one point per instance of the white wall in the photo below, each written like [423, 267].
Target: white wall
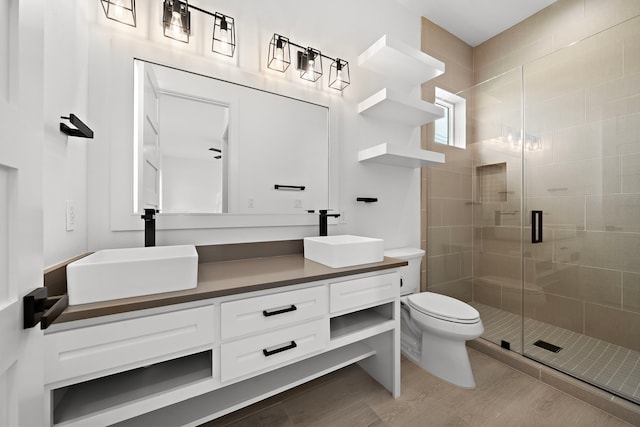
[338, 28]
[65, 158]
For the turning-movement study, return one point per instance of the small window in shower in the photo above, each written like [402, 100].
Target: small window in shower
[452, 128]
[492, 182]
[444, 130]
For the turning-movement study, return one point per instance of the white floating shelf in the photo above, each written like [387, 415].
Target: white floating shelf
[388, 105]
[395, 59]
[394, 155]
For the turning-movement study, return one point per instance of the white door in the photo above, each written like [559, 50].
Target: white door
[21, 121]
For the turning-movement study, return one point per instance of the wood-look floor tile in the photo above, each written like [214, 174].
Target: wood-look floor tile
[434, 415]
[420, 390]
[350, 386]
[271, 401]
[358, 414]
[541, 405]
[273, 416]
[350, 398]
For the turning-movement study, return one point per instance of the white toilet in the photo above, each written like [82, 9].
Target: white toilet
[435, 327]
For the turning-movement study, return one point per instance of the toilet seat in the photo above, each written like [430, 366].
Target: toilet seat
[443, 307]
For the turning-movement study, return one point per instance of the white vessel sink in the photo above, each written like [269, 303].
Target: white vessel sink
[122, 273]
[343, 250]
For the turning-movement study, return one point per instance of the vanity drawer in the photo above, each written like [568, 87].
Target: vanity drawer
[253, 315]
[352, 294]
[255, 353]
[90, 349]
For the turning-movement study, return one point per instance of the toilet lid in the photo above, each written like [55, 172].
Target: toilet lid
[443, 307]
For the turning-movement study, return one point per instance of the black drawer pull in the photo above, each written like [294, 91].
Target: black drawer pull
[279, 350]
[266, 313]
[289, 187]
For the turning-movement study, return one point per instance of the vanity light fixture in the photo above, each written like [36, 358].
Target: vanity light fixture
[309, 62]
[176, 20]
[224, 35]
[279, 53]
[177, 25]
[123, 11]
[339, 74]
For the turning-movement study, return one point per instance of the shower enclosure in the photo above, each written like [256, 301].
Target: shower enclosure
[555, 173]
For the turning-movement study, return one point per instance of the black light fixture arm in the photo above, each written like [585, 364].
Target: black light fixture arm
[206, 12]
[305, 48]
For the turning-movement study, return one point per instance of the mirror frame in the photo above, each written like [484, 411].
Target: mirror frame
[122, 53]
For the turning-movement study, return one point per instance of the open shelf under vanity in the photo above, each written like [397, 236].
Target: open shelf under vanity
[222, 401]
[77, 404]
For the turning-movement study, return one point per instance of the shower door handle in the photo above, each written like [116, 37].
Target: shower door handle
[536, 226]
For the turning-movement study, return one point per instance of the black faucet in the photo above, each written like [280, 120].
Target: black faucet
[149, 227]
[323, 221]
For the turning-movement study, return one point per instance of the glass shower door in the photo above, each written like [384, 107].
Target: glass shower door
[494, 118]
[581, 148]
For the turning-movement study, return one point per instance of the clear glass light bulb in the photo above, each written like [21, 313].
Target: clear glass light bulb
[176, 23]
[310, 64]
[222, 45]
[224, 41]
[278, 57]
[118, 8]
[339, 79]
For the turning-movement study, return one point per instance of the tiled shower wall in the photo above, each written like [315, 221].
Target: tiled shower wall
[583, 106]
[447, 233]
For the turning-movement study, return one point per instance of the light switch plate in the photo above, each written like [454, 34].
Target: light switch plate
[71, 215]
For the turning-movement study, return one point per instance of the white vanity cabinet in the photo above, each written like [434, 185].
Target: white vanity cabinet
[106, 347]
[352, 294]
[247, 316]
[270, 330]
[194, 362]
[100, 374]
[262, 351]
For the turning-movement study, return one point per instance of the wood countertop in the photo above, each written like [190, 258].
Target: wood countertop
[222, 278]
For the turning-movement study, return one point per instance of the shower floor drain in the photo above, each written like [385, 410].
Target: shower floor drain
[547, 346]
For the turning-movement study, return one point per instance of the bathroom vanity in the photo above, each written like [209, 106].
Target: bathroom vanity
[251, 328]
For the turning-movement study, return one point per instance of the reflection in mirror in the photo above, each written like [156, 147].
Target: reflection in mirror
[204, 145]
[193, 134]
[183, 140]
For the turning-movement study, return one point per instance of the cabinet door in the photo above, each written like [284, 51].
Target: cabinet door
[253, 315]
[82, 351]
[363, 292]
[257, 353]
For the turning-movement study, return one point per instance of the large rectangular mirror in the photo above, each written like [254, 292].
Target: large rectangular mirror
[208, 146]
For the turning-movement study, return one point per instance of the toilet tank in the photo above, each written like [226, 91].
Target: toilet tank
[410, 274]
